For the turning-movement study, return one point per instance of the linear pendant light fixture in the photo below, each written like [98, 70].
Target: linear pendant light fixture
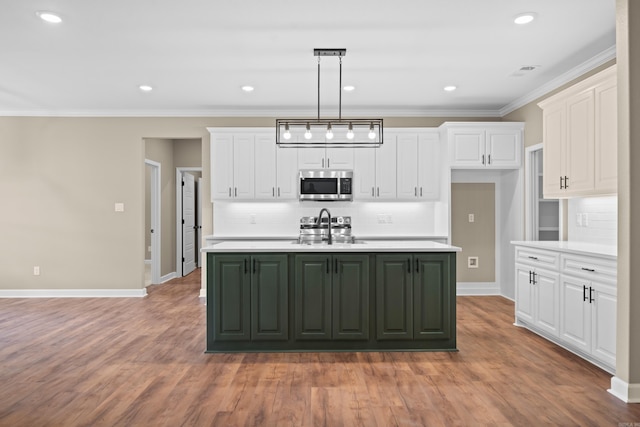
[347, 133]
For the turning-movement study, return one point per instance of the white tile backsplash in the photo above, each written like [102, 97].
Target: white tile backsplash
[278, 220]
[593, 220]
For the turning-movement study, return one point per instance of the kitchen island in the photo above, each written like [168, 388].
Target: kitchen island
[369, 295]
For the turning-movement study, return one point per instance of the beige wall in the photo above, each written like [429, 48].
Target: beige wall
[477, 239]
[61, 177]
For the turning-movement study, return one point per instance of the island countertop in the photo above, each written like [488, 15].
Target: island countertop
[358, 247]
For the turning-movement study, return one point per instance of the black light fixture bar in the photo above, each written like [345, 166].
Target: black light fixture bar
[329, 132]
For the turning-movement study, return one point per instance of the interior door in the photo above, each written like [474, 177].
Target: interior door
[188, 224]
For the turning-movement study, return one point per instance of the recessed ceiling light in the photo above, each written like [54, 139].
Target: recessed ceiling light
[349, 88]
[247, 88]
[145, 88]
[450, 88]
[49, 17]
[524, 18]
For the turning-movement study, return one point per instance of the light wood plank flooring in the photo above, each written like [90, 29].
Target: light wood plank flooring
[141, 362]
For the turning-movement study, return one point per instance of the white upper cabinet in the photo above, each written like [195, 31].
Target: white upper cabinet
[325, 158]
[232, 166]
[580, 138]
[374, 175]
[418, 165]
[484, 145]
[266, 167]
[287, 173]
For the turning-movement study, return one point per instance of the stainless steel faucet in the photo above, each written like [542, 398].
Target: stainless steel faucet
[320, 222]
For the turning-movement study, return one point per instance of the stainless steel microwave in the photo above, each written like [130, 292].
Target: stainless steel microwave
[325, 184]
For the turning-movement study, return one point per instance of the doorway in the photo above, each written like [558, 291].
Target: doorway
[188, 219]
[543, 215]
[152, 222]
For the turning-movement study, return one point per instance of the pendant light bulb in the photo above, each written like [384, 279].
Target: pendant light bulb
[350, 132]
[287, 132]
[372, 133]
[307, 133]
[329, 132]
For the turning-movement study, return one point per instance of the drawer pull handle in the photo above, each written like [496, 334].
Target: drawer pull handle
[584, 292]
[589, 269]
[591, 300]
[533, 257]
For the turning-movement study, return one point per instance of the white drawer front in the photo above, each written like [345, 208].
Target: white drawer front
[538, 257]
[590, 267]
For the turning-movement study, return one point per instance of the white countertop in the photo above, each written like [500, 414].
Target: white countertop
[580, 248]
[362, 246]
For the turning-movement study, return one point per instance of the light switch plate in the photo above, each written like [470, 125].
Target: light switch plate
[472, 218]
[119, 207]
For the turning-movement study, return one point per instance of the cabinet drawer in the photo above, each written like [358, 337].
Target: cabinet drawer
[538, 257]
[588, 267]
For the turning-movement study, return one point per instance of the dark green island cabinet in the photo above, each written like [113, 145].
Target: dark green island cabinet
[331, 301]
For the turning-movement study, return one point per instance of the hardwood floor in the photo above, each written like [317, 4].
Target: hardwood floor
[141, 362]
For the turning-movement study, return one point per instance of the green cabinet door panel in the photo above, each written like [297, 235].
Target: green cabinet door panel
[269, 297]
[394, 302]
[431, 297]
[313, 297]
[350, 307]
[231, 298]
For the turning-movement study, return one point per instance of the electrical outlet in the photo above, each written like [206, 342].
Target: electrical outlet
[585, 220]
[579, 220]
[472, 262]
[381, 219]
[388, 219]
[472, 218]
[119, 207]
[252, 218]
[36, 270]
[149, 249]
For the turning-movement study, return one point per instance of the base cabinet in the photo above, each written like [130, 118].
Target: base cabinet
[330, 301]
[413, 297]
[570, 299]
[250, 298]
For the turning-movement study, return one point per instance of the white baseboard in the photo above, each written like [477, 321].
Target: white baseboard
[477, 288]
[629, 393]
[72, 293]
[168, 277]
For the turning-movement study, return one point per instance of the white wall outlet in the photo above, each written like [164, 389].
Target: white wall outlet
[579, 220]
[36, 270]
[381, 219]
[472, 218]
[252, 218]
[472, 262]
[148, 248]
[585, 219]
[388, 218]
[119, 207]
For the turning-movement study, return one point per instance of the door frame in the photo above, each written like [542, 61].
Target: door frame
[179, 172]
[155, 220]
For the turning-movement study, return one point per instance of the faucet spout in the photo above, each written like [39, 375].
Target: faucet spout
[322, 211]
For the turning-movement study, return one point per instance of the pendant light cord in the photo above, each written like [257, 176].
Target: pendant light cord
[340, 92]
[318, 88]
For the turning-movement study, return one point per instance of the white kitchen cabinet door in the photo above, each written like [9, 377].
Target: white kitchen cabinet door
[603, 335]
[524, 294]
[243, 167]
[339, 158]
[467, 148]
[606, 138]
[364, 174]
[547, 296]
[580, 163]
[287, 173]
[429, 166]
[265, 167]
[575, 324]
[221, 167]
[554, 134]
[386, 169]
[407, 166]
[311, 158]
[503, 149]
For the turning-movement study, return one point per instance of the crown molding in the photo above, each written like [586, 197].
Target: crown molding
[601, 58]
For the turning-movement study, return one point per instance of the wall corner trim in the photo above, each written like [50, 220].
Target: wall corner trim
[629, 393]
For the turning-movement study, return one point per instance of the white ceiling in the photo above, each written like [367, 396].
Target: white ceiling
[198, 53]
